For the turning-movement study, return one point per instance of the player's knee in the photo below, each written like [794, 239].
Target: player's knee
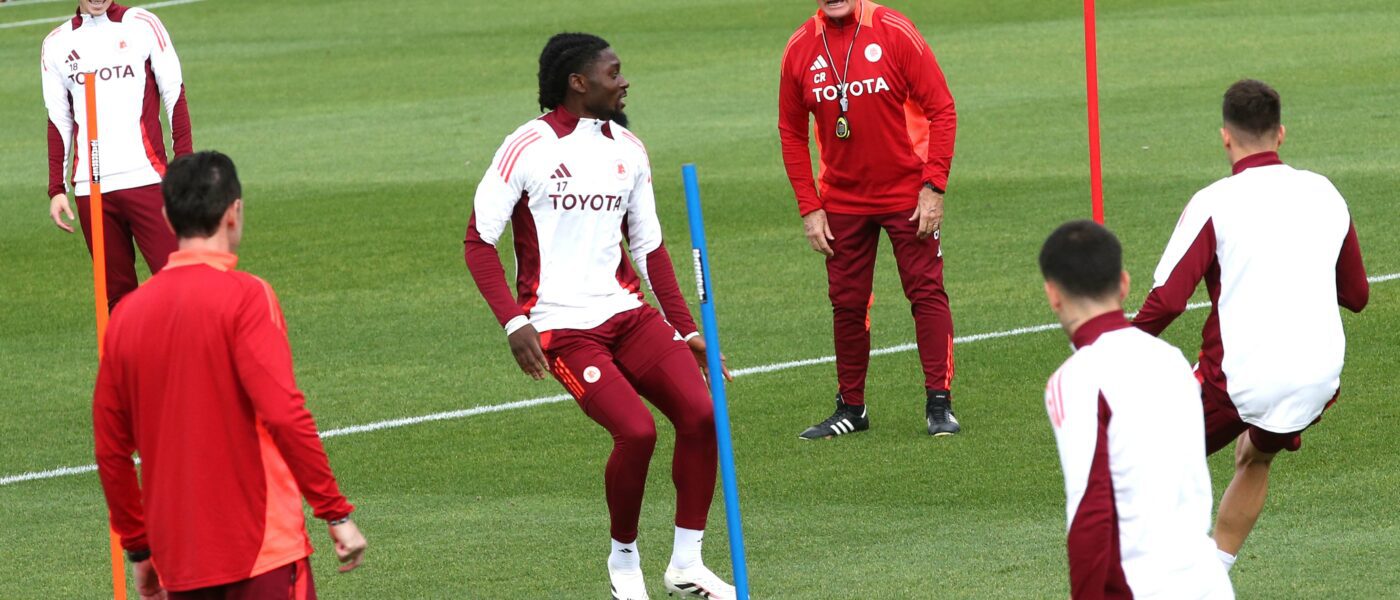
[699, 420]
[639, 434]
[1249, 456]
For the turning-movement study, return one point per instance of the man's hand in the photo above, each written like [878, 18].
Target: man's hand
[525, 345]
[929, 213]
[349, 545]
[817, 232]
[147, 582]
[697, 346]
[59, 204]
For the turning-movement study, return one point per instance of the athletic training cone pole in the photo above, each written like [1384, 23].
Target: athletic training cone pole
[99, 284]
[730, 479]
[1091, 83]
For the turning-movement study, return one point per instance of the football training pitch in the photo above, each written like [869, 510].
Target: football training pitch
[361, 128]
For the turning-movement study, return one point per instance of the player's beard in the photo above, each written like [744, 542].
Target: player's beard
[618, 117]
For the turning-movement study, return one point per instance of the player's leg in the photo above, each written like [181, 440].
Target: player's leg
[1244, 498]
[143, 210]
[582, 362]
[664, 370]
[920, 264]
[850, 272]
[120, 255]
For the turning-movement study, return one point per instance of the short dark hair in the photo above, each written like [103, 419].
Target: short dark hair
[564, 55]
[1251, 106]
[198, 190]
[1083, 258]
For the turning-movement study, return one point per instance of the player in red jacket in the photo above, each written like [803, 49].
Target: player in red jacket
[885, 125]
[196, 376]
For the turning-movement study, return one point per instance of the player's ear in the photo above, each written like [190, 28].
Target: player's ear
[1052, 295]
[578, 82]
[1281, 132]
[1124, 284]
[1225, 137]
[166, 218]
[233, 216]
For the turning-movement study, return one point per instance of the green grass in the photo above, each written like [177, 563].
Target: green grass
[361, 129]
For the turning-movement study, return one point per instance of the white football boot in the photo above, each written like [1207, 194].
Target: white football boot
[628, 585]
[697, 582]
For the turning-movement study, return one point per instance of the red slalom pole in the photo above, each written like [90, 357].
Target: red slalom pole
[99, 284]
[1091, 81]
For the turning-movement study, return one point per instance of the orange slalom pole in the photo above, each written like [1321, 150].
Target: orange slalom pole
[1091, 81]
[99, 286]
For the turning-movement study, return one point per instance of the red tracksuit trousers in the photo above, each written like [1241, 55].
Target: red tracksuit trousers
[850, 276]
[608, 369]
[127, 214]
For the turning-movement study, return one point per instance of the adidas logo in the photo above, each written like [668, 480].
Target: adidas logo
[561, 173]
[818, 64]
[72, 56]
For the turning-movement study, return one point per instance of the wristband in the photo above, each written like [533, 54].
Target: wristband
[137, 556]
[934, 188]
[341, 521]
[515, 324]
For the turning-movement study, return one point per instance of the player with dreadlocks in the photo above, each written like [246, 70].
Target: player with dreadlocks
[575, 186]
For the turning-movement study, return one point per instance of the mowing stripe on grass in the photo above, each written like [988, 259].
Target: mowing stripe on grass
[494, 408]
[66, 17]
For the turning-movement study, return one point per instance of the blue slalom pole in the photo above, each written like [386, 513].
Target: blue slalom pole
[701, 253]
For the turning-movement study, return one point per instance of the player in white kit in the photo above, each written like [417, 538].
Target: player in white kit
[129, 52]
[1278, 252]
[1128, 424]
[575, 187]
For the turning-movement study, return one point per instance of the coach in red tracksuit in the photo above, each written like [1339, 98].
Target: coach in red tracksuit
[196, 376]
[885, 125]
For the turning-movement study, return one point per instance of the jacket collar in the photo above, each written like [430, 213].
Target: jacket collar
[564, 123]
[114, 13]
[1090, 330]
[1259, 159]
[222, 261]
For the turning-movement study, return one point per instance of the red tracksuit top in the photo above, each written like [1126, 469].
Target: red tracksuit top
[196, 376]
[901, 114]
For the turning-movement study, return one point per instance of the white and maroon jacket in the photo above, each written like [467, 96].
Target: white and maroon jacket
[573, 190]
[1278, 252]
[138, 73]
[1128, 423]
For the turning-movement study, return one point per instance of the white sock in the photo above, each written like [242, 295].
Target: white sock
[624, 557]
[686, 553]
[1226, 559]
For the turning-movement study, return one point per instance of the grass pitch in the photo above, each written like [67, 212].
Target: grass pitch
[361, 129]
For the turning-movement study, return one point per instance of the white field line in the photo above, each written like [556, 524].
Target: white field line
[495, 408]
[52, 20]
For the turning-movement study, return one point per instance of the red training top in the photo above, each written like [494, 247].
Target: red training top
[196, 376]
[901, 115]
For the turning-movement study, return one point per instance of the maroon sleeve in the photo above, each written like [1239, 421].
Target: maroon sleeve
[1167, 301]
[667, 289]
[928, 89]
[263, 360]
[1353, 290]
[115, 443]
[56, 156]
[794, 131]
[180, 130]
[490, 277]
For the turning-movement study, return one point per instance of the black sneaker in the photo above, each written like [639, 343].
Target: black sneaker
[846, 419]
[939, 413]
